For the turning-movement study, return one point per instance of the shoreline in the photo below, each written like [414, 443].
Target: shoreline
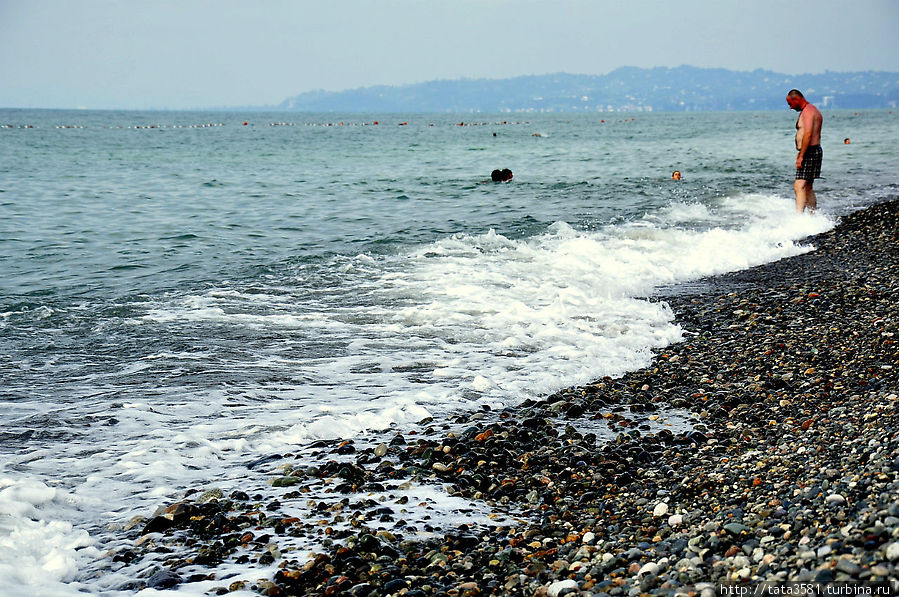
[790, 473]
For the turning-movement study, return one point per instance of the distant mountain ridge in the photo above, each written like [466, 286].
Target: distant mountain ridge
[627, 89]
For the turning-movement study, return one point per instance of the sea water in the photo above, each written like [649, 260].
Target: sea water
[183, 293]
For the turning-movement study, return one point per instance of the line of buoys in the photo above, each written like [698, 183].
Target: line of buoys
[176, 126]
[166, 126]
[322, 124]
[247, 123]
[376, 122]
[403, 123]
[133, 126]
[501, 123]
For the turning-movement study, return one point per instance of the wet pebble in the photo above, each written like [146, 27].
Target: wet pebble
[789, 471]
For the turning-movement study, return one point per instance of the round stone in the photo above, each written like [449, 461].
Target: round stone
[555, 589]
[835, 499]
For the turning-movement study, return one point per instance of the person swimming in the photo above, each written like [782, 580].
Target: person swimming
[504, 175]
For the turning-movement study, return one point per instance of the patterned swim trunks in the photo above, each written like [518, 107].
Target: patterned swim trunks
[811, 164]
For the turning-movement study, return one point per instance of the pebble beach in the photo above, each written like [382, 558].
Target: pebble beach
[784, 467]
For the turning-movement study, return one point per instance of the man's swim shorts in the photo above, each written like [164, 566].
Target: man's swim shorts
[811, 164]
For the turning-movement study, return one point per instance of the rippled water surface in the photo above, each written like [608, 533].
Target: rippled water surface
[182, 293]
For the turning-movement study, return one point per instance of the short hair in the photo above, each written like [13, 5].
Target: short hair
[795, 93]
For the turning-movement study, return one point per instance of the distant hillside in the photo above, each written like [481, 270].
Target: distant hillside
[627, 89]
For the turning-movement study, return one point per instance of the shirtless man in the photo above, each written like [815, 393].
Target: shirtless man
[808, 143]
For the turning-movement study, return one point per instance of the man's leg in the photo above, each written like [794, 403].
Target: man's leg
[805, 195]
[811, 201]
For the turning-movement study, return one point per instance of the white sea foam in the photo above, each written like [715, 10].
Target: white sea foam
[485, 318]
[39, 553]
[465, 321]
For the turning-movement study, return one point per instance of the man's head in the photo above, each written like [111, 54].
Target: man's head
[796, 100]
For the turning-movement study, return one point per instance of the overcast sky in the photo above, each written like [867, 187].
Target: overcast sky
[211, 53]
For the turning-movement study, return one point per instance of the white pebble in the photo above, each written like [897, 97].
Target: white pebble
[589, 537]
[648, 568]
[893, 551]
[741, 574]
[675, 520]
[555, 588]
[835, 499]
[661, 509]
